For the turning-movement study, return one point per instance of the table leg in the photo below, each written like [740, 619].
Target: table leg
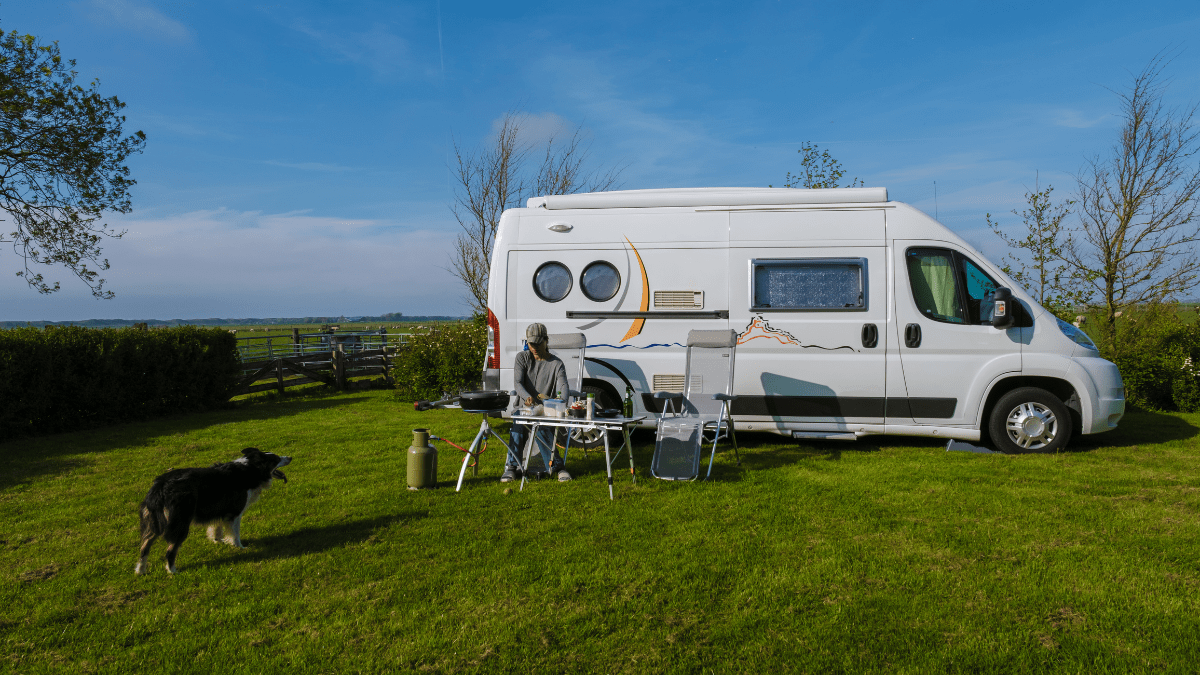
[530, 446]
[629, 449]
[608, 466]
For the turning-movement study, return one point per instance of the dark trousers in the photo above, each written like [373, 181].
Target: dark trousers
[518, 436]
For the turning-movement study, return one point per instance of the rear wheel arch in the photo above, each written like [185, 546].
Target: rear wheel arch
[606, 388]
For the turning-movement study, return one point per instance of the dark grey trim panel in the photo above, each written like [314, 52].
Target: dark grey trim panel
[844, 406]
[715, 314]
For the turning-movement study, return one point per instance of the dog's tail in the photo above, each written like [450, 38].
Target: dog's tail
[154, 513]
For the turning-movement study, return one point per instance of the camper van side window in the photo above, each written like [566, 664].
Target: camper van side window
[810, 284]
[552, 281]
[979, 292]
[932, 277]
[600, 281]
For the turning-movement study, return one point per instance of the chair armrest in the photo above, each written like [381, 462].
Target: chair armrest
[576, 394]
[724, 397]
[668, 394]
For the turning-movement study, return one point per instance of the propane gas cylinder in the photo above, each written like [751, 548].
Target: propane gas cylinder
[422, 462]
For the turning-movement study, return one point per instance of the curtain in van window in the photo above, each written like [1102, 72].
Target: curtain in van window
[931, 275]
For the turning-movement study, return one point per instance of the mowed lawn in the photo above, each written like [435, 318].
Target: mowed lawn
[884, 555]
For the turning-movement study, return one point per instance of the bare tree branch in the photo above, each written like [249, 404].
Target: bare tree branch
[497, 177]
[1138, 207]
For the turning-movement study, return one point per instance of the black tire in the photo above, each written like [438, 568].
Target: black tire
[593, 440]
[1029, 420]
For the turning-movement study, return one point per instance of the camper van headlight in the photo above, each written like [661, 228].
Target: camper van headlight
[1081, 338]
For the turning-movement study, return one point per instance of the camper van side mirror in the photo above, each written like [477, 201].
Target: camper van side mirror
[1003, 308]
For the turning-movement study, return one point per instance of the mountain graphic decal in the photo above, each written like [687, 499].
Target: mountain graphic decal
[758, 328]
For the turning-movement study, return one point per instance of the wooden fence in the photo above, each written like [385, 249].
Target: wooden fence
[330, 360]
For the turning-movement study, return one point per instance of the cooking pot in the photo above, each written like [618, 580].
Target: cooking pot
[483, 401]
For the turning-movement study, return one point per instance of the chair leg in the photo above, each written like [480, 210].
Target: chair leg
[713, 456]
[733, 437]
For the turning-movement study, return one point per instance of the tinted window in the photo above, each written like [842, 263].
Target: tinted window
[810, 284]
[979, 292]
[600, 281]
[552, 281]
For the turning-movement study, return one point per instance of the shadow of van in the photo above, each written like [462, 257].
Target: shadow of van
[1139, 427]
[763, 450]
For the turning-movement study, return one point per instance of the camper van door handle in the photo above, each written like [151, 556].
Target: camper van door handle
[870, 335]
[912, 336]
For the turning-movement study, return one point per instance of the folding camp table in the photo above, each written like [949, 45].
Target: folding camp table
[605, 424]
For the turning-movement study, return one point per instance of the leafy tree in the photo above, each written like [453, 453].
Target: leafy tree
[62, 157]
[498, 177]
[1039, 266]
[818, 169]
[1138, 207]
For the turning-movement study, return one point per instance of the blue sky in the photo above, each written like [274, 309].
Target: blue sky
[297, 155]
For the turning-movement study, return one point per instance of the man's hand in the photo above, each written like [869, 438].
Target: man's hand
[528, 400]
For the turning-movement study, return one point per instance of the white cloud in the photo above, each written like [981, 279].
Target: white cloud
[223, 263]
[1076, 119]
[379, 49]
[309, 166]
[138, 18]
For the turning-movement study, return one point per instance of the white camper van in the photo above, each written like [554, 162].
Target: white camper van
[855, 315]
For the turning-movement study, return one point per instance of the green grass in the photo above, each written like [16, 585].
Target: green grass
[885, 555]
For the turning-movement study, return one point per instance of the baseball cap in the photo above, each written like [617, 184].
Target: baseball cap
[536, 333]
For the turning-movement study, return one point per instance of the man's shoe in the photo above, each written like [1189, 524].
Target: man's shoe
[510, 474]
[556, 468]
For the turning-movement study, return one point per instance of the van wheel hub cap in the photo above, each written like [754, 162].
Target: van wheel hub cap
[1032, 426]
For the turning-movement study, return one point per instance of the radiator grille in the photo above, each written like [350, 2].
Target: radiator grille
[679, 299]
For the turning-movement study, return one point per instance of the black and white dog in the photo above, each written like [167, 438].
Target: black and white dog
[217, 496]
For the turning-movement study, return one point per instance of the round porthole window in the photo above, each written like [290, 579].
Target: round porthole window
[552, 281]
[600, 281]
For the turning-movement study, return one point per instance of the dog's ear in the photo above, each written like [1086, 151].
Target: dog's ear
[250, 451]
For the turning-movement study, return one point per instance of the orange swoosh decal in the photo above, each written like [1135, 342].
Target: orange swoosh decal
[636, 327]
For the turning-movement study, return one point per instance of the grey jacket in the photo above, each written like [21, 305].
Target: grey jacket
[535, 377]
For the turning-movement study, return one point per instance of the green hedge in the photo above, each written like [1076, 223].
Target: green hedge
[1158, 353]
[447, 360]
[67, 378]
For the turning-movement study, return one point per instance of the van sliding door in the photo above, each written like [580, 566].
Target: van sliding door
[812, 336]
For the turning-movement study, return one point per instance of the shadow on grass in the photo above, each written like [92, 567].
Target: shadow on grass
[23, 460]
[1138, 427]
[314, 539]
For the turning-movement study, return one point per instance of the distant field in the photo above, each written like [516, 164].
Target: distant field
[886, 555]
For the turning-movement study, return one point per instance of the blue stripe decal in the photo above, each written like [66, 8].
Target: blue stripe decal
[673, 344]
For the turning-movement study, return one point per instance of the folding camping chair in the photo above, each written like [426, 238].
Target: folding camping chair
[702, 408]
[560, 344]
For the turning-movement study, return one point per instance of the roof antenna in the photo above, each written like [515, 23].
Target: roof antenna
[935, 200]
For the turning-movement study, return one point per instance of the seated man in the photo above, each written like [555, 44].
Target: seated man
[538, 375]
